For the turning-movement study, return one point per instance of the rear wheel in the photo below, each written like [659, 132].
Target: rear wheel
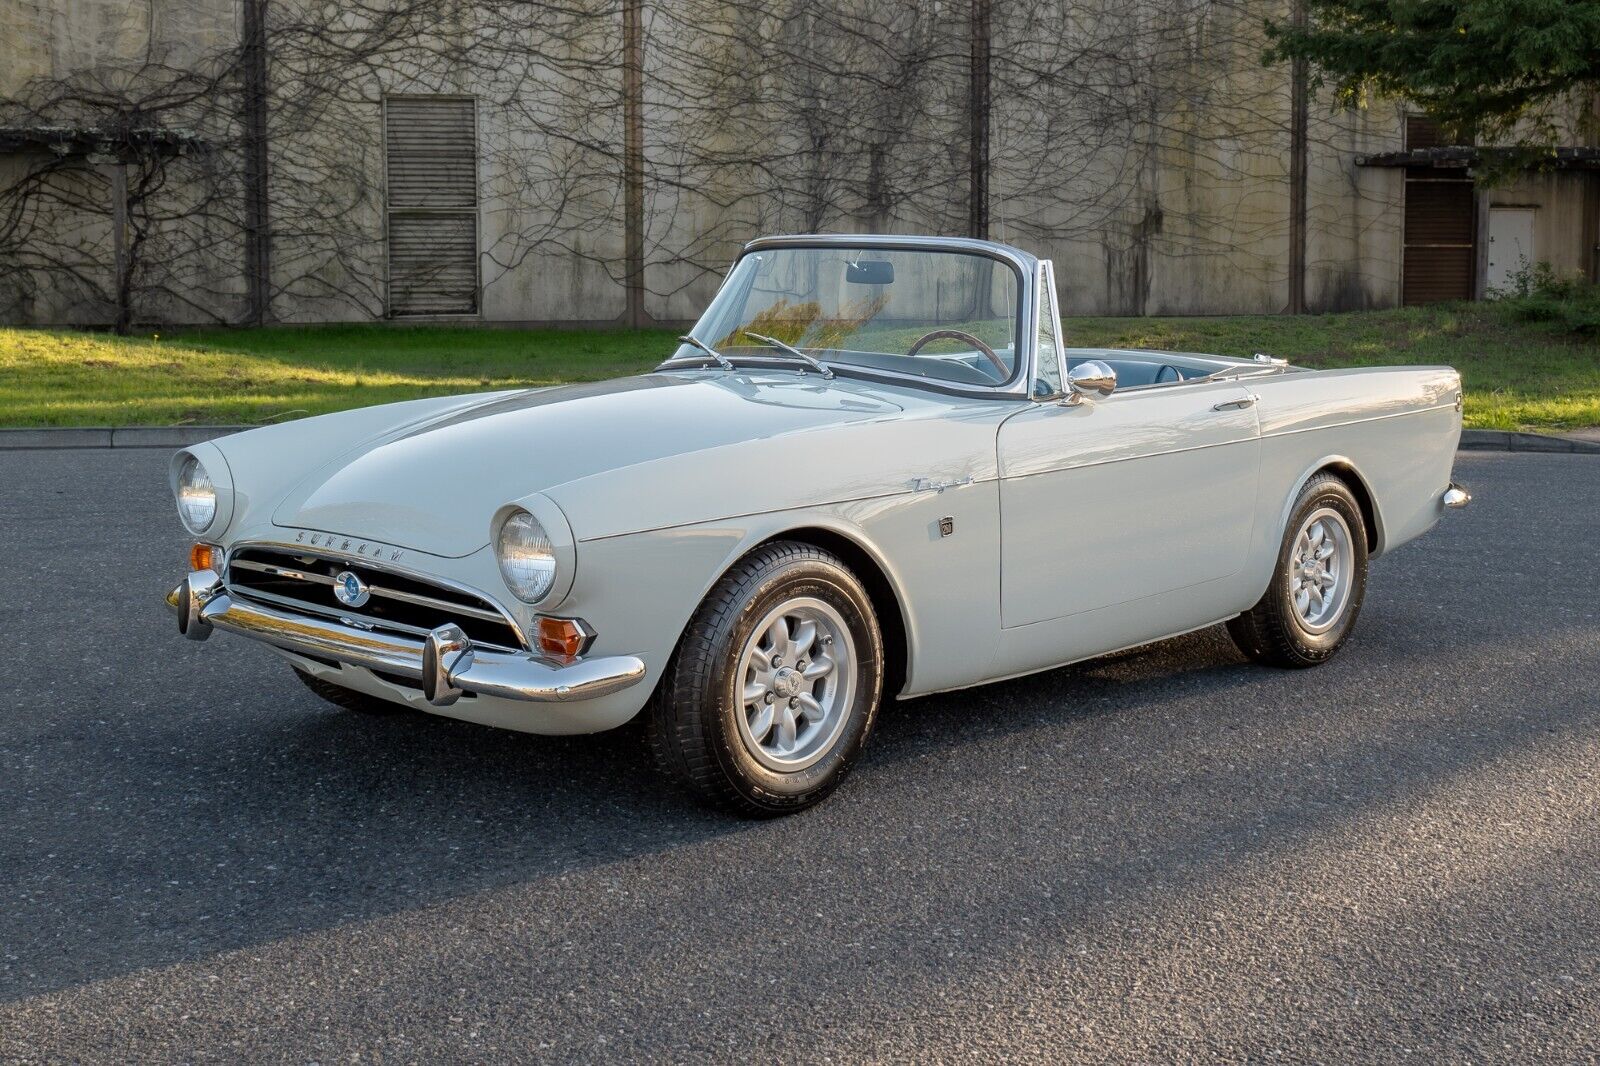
[1318, 584]
[775, 685]
[348, 698]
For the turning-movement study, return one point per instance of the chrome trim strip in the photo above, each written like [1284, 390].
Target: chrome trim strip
[1358, 421]
[279, 571]
[429, 601]
[1021, 259]
[320, 611]
[338, 614]
[290, 548]
[1223, 443]
[858, 373]
[1130, 458]
[376, 590]
[516, 675]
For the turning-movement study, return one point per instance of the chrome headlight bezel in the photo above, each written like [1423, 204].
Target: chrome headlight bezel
[535, 515]
[206, 460]
[197, 496]
[526, 557]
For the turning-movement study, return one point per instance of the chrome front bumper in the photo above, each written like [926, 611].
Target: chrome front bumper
[445, 664]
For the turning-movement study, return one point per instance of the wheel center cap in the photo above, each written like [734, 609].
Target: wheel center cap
[786, 683]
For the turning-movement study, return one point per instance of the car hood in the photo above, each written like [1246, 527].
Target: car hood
[435, 486]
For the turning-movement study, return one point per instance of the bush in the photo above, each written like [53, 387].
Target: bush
[1539, 294]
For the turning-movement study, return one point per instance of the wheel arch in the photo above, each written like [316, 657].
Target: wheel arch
[872, 570]
[1345, 470]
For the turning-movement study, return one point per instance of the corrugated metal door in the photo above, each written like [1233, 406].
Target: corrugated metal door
[431, 146]
[1440, 226]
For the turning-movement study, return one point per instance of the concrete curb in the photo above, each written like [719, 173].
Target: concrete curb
[1472, 440]
[112, 437]
[1499, 440]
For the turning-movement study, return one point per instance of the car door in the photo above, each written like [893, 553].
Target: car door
[1120, 501]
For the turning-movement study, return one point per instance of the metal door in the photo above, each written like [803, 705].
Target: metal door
[1510, 246]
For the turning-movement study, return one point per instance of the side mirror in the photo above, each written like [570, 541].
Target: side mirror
[1090, 377]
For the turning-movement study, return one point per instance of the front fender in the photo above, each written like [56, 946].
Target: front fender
[640, 590]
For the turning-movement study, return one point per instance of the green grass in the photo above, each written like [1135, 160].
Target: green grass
[69, 378]
[1518, 374]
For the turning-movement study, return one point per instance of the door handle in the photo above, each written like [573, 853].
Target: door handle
[1247, 400]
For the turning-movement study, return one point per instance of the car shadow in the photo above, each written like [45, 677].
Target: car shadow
[235, 823]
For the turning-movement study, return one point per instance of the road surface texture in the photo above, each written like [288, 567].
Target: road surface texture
[1168, 855]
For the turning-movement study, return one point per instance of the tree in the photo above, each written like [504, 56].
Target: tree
[1486, 70]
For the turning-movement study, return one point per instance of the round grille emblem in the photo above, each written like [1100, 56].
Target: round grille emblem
[350, 590]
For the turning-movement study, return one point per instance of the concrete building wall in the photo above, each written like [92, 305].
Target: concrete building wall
[1182, 208]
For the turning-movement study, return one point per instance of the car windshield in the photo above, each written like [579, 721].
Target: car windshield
[949, 316]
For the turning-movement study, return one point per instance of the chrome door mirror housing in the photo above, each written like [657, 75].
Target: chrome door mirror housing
[1090, 378]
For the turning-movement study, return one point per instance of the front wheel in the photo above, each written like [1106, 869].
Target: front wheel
[775, 685]
[1318, 584]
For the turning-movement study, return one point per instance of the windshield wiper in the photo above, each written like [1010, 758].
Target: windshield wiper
[721, 359]
[810, 360]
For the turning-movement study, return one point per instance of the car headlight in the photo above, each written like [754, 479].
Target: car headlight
[527, 557]
[197, 496]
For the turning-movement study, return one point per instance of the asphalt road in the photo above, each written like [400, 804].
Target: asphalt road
[1168, 855]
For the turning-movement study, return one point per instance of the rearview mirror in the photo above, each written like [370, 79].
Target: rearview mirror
[1090, 377]
[869, 272]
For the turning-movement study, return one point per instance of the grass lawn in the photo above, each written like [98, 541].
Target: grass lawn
[1518, 375]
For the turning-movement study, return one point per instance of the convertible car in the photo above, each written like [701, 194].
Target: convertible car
[871, 470]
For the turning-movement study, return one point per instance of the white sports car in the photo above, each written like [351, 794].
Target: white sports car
[871, 470]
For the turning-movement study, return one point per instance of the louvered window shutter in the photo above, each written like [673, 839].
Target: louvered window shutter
[431, 144]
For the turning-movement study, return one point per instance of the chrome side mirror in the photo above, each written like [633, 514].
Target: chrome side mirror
[1090, 377]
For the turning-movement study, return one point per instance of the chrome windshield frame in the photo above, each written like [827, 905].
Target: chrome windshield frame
[1024, 266]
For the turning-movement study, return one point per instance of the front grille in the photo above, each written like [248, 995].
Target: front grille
[305, 582]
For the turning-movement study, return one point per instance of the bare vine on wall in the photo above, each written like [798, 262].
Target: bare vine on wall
[757, 116]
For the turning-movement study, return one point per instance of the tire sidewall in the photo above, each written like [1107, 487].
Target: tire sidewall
[788, 580]
[1332, 494]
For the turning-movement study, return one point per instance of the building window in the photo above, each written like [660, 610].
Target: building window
[431, 156]
[1424, 132]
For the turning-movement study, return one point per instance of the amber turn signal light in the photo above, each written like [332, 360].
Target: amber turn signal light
[204, 557]
[563, 638]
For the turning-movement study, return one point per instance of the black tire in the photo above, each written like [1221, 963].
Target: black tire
[697, 720]
[348, 698]
[1273, 631]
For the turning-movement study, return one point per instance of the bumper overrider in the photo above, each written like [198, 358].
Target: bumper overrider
[445, 663]
[1455, 497]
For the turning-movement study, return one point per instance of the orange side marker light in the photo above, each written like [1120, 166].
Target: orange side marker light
[562, 638]
[204, 557]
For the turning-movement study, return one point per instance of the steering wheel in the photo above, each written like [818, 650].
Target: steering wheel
[1167, 374]
[962, 335]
